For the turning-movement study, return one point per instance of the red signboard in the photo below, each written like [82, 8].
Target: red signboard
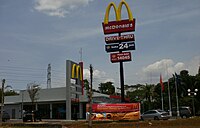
[119, 111]
[122, 38]
[117, 57]
[120, 107]
[119, 26]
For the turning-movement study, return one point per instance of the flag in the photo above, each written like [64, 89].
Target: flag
[161, 83]
[177, 79]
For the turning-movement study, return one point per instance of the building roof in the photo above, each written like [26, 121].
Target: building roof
[47, 95]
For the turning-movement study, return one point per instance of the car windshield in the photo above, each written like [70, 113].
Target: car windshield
[161, 111]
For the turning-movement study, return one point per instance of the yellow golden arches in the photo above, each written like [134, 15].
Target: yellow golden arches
[128, 10]
[77, 72]
[117, 11]
[106, 18]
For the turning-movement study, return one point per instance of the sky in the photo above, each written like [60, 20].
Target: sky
[35, 33]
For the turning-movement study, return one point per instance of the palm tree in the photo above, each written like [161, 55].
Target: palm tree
[148, 90]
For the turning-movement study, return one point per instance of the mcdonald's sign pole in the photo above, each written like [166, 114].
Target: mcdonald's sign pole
[122, 77]
[116, 42]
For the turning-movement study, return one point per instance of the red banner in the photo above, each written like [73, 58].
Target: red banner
[126, 107]
[120, 111]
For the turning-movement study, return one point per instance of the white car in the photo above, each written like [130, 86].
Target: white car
[155, 115]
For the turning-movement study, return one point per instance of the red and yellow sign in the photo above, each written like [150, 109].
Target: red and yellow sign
[120, 107]
[120, 111]
[119, 25]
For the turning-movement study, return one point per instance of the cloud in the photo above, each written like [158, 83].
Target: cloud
[109, 80]
[166, 67]
[58, 7]
[98, 77]
[96, 74]
[193, 65]
[158, 67]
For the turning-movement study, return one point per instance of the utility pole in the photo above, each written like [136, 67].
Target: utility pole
[177, 104]
[90, 98]
[49, 76]
[170, 108]
[2, 98]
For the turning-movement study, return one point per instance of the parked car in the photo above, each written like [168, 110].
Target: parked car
[185, 112]
[5, 116]
[31, 116]
[155, 115]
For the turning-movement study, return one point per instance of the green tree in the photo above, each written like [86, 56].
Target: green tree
[135, 93]
[10, 93]
[107, 88]
[197, 97]
[86, 84]
[148, 91]
[142, 93]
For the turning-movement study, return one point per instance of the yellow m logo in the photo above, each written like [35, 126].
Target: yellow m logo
[118, 26]
[117, 11]
[77, 72]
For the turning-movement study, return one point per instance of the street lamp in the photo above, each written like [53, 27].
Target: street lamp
[192, 94]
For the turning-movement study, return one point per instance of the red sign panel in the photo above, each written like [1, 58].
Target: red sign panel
[122, 38]
[120, 107]
[117, 57]
[119, 111]
[119, 26]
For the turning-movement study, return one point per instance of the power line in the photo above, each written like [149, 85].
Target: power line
[20, 76]
[21, 68]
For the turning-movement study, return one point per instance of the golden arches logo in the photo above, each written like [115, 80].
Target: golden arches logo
[119, 25]
[117, 11]
[77, 72]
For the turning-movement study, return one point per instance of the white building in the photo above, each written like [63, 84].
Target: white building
[52, 103]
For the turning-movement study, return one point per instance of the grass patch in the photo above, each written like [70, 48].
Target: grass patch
[177, 123]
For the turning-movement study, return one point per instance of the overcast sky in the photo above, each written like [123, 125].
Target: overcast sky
[34, 33]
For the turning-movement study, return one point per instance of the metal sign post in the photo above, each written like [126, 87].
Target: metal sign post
[121, 76]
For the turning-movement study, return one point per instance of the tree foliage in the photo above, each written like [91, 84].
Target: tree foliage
[107, 88]
[150, 95]
[10, 93]
[33, 89]
[86, 84]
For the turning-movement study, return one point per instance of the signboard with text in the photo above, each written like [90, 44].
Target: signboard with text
[119, 26]
[117, 39]
[117, 57]
[119, 111]
[122, 39]
[120, 47]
